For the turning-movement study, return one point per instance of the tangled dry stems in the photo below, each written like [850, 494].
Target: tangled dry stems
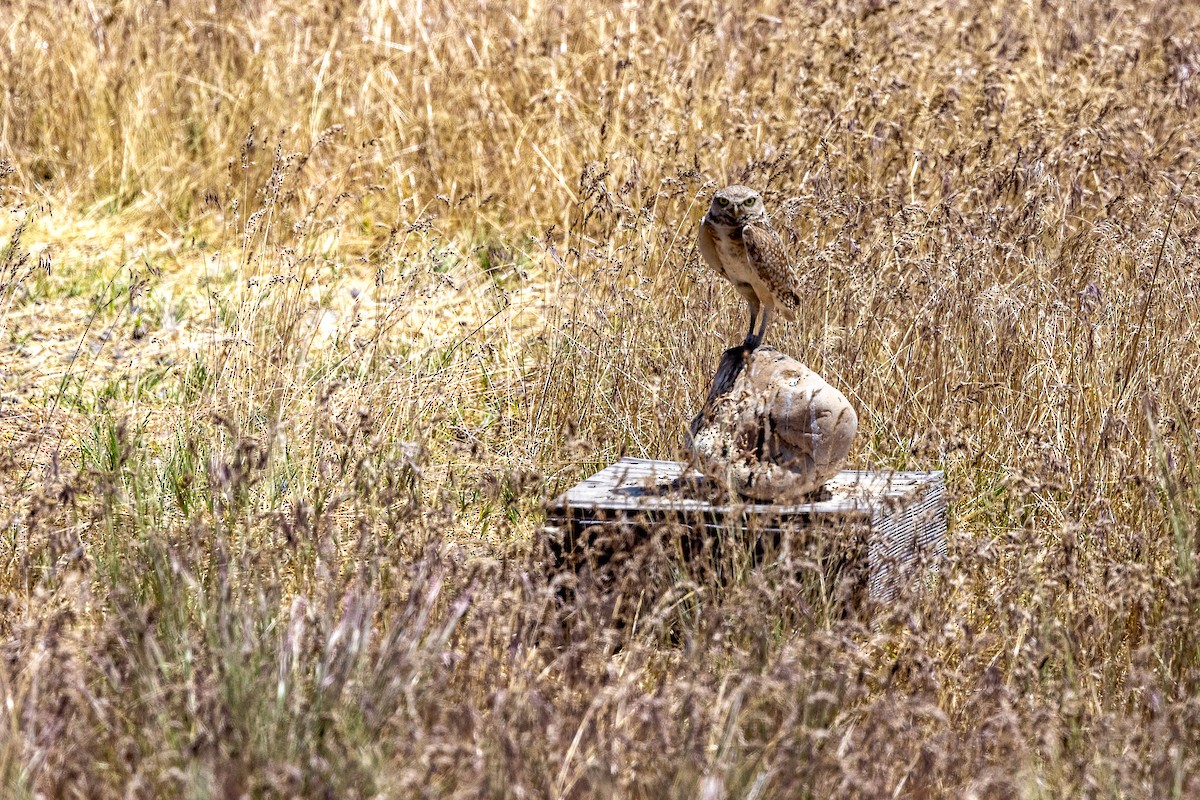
[308, 306]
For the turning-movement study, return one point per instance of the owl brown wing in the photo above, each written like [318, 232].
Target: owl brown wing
[768, 259]
[708, 248]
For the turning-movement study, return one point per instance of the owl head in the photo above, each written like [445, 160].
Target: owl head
[736, 205]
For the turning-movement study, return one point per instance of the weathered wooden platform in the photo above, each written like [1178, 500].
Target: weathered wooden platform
[900, 515]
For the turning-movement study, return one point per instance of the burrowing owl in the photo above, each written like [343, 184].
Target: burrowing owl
[736, 239]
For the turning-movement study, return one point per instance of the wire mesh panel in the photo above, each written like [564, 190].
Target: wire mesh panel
[897, 519]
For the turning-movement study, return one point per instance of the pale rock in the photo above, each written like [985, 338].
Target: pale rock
[771, 429]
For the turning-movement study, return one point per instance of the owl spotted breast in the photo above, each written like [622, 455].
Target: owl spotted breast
[736, 240]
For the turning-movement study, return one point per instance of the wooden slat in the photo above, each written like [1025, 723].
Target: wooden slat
[634, 484]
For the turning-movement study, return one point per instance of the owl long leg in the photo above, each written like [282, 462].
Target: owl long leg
[753, 341]
[755, 338]
[764, 321]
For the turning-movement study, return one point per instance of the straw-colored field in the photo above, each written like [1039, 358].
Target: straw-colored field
[306, 307]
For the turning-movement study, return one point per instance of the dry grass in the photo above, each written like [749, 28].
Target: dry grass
[307, 306]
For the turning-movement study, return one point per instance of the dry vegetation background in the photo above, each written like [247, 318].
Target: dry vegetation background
[307, 306]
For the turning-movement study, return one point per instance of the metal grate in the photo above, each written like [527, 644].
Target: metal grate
[901, 515]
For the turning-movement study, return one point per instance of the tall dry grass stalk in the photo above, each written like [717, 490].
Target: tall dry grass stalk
[306, 307]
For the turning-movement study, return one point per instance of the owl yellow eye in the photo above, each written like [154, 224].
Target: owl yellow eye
[722, 201]
[749, 202]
